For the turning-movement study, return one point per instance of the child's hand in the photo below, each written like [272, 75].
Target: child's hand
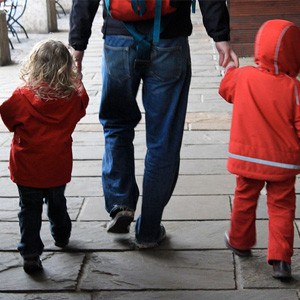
[226, 54]
[231, 64]
[78, 57]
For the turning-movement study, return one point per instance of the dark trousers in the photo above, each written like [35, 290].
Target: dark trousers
[30, 217]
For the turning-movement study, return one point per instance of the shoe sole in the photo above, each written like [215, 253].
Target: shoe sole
[120, 224]
[245, 253]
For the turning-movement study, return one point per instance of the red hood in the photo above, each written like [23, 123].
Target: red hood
[277, 47]
[52, 111]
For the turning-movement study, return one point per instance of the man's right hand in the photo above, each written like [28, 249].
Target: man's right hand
[78, 57]
[226, 54]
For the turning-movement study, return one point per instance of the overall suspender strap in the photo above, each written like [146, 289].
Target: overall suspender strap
[144, 42]
[139, 6]
[157, 22]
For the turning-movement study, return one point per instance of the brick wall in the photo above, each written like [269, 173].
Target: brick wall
[247, 16]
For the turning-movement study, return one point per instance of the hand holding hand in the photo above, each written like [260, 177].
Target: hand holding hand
[78, 57]
[226, 54]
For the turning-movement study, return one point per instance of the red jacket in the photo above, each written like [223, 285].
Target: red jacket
[41, 149]
[265, 130]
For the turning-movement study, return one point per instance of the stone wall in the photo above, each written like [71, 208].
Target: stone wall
[4, 44]
[40, 16]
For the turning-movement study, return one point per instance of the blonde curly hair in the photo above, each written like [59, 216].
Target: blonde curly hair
[50, 71]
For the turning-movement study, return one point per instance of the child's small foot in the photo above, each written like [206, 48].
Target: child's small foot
[32, 265]
[281, 270]
[61, 244]
[240, 253]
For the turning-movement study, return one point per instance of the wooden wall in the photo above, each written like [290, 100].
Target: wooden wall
[247, 16]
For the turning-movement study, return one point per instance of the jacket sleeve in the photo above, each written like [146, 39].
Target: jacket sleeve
[216, 19]
[84, 96]
[11, 111]
[81, 19]
[297, 110]
[227, 85]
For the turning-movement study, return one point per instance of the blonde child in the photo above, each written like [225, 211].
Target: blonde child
[42, 114]
[264, 148]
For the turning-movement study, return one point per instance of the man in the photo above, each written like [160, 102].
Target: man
[166, 76]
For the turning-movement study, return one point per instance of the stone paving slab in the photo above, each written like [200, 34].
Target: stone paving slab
[9, 208]
[96, 138]
[205, 295]
[92, 236]
[61, 271]
[181, 235]
[194, 151]
[152, 295]
[200, 104]
[92, 168]
[203, 71]
[205, 185]
[178, 208]
[46, 296]
[189, 138]
[187, 185]
[158, 270]
[208, 121]
[85, 168]
[205, 85]
[256, 273]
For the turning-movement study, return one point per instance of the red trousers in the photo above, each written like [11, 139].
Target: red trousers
[281, 202]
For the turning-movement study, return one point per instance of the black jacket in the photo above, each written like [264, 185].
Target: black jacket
[214, 12]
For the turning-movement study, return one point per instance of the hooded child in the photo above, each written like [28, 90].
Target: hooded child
[264, 146]
[42, 114]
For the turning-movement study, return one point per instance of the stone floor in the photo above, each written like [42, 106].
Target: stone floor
[193, 262]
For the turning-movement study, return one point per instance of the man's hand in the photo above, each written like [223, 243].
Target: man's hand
[78, 57]
[226, 54]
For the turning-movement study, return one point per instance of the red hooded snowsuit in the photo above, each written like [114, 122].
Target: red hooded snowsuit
[265, 137]
[41, 149]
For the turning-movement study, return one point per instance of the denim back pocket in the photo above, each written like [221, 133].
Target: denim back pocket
[117, 62]
[166, 63]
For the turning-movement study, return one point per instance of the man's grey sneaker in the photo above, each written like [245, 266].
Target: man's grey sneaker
[146, 245]
[120, 223]
[240, 253]
[32, 265]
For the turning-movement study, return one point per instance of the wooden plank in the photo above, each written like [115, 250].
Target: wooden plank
[243, 36]
[247, 16]
[259, 1]
[254, 22]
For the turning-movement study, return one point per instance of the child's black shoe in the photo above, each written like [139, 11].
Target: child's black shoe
[61, 244]
[32, 265]
[240, 253]
[281, 270]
